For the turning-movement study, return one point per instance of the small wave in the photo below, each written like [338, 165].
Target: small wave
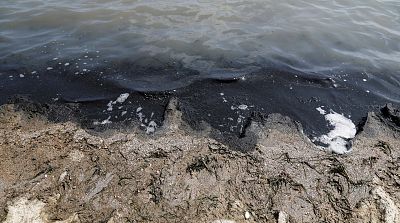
[307, 35]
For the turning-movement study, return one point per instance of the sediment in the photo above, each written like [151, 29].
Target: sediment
[61, 172]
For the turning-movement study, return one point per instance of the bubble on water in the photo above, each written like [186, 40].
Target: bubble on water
[243, 107]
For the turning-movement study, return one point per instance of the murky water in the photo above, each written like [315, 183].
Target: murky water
[308, 35]
[342, 52]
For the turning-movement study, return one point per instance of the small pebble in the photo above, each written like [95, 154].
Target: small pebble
[247, 215]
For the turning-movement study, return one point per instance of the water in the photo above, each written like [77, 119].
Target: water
[308, 35]
[343, 52]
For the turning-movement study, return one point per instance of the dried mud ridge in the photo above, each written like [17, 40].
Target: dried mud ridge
[59, 172]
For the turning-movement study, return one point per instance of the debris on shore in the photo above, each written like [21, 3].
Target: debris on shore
[59, 172]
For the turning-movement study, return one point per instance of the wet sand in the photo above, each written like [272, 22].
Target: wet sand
[60, 172]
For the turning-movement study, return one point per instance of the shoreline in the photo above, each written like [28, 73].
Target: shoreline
[59, 172]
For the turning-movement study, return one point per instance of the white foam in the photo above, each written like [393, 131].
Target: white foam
[343, 130]
[122, 98]
[140, 116]
[106, 121]
[321, 110]
[243, 107]
[151, 128]
[109, 105]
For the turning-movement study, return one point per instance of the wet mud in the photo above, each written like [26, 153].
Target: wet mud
[61, 172]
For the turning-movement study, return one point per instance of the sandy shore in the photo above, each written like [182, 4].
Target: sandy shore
[59, 172]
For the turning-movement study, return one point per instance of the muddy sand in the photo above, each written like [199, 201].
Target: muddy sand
[60, 172]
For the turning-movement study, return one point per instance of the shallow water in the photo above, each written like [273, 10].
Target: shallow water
[308, 35]
[344, 53]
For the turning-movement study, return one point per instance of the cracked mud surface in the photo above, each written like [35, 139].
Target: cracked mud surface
[59, 172]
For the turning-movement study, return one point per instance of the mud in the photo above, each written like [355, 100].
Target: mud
[60, 172]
